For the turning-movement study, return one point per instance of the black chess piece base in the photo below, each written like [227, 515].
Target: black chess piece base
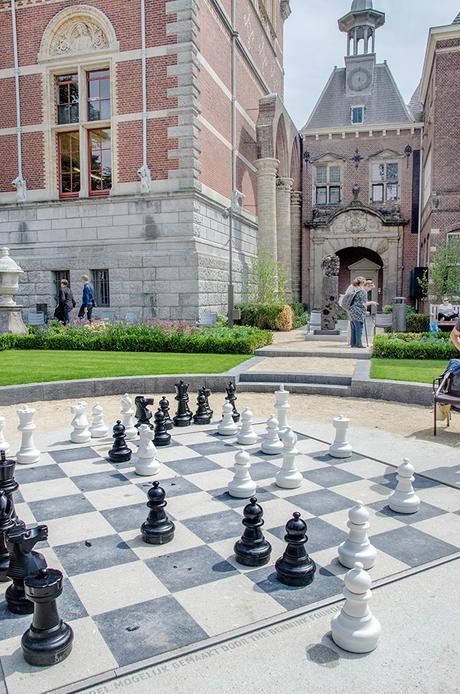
[44, 647]
[119, 456]
[295, 575]
[205, 419]
[252, 556]
[158, 534]
[183, 420]
[16, 600]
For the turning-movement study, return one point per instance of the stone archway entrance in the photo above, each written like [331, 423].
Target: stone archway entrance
[361, 262]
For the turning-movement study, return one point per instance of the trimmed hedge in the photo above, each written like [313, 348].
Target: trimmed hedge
[283, 317]
[414, 346]
[418, 322]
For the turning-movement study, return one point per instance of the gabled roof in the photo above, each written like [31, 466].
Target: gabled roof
[415, 104]
[457, 19]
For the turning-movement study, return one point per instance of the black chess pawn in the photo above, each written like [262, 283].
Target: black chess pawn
[8, 515]
[120, 452]
[295, 568]
[161, 438]
[143, 414]
[157, 529]
[183, 416]
[207, 393]
[48, 640]
[164, 406]
[231, 397]
[253, 549]
[23, 562]
[202, 415]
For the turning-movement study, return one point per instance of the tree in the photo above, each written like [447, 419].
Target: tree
[267, 280]
[443, 277]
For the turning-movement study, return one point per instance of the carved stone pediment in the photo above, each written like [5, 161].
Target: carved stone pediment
[386, 154]
[78, 36]
[354, 223]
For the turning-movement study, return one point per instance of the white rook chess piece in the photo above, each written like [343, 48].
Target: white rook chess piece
[357, 546]
[246, 434]
[127, 418]
[4, 445]
[354, 628]
[227, 426]
[242, 486]
[288, 476]
[145, 462]
[404, 499]
[98, 428]
[271, 443]
[282, 406]
[341, 448]
[80, 433]
[27, 453]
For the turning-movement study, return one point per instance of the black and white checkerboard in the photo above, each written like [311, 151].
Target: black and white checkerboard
[128, 601]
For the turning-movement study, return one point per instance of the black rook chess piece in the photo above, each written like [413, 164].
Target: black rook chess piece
[48, 640]
[183, 416]
[295, 568]
[8, 516]
[157, 529]
[23, 562]
[231, 397]
[143, 414]
[202, 415]
[161, 438]
[253, 549]
[119, 452]
[164, 406]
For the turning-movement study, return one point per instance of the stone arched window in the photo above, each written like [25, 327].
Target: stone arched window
[77, 49]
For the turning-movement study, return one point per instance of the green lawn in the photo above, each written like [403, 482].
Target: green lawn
[422, 371]
[34, 366]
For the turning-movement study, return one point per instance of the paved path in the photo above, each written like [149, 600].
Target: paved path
[306, 365]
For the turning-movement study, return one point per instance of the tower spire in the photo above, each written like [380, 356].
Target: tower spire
[360, 25]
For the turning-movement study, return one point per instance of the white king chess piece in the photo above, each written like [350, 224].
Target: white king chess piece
[27, 453]
[282, 408]
[288, 476]
[4, 445]
[341, 448]
[80, 432]
[404, 499]
[357, 546]
[242, 486]
[98, 428]
[127, 418]
[246, 434]
[145, 461]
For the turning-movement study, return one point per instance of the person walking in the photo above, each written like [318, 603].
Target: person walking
[66, 303]
[87, 301]
[357, 313]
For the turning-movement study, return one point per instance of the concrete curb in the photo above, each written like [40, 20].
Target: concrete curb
[298, 353]
[362, 386]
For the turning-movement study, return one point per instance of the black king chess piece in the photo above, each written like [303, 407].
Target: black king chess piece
[23, 562]
[231, 397]
[120, 452]
[48, 640]
[157, 529]
[164, 406]
[295, 568]
[162, 437]
[8, 516]
[183, 416]
[143, 414]
[202, 415]
[253, 549]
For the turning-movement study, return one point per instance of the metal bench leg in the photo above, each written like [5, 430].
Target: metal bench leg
[434, 419]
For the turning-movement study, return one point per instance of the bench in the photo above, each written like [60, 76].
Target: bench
[382, 320]
[314, 322]
[35, 318]
[446, 391]
[434, 308]
[209, 319]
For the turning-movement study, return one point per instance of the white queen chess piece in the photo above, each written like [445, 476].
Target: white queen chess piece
[98, 428]
[4, 445]
[288, 476]
[227, 426]
[246, 434]
[341, 448]
[357, 546]
[80, 432]
[127, 418]
[145, 461]
[282, 408]
[28, 453]
[404, 499]
[242, 486]
[271, 443]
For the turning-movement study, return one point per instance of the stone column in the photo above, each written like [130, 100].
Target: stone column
[266, 203]
[283, 228]
[296, 243]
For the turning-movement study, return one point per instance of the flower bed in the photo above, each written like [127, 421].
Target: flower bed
[414, 346]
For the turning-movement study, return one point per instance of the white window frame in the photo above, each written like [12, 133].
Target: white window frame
[352, 108]
[385, 182]
[329, 184]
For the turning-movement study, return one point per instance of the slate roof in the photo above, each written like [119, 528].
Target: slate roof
[415, 105]
[457, 19]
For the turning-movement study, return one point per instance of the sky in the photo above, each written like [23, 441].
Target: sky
[314, 45]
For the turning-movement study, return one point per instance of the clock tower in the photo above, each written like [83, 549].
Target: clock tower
[360, 25]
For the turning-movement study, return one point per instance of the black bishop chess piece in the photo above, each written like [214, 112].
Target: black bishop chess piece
[202, 415]
[162, 437]
[183, 416]
[164, 406]
[253, 549]
[157, 529]
[48, 640]
[231, 398]
[120, 452]
[143, 414]
[295, 568]
[8, 515]
[23, 562]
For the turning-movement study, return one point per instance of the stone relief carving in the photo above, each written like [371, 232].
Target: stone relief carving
[356, 222]
[77, 36]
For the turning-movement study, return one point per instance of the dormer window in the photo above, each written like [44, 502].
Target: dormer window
[357, 115]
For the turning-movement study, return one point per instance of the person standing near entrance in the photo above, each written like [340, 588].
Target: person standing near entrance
[87, 301]
[66, 303]
[357, 313]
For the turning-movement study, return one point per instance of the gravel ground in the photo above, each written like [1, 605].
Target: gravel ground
[305, 365]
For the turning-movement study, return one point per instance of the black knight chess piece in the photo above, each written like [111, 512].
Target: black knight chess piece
[164, 406]
[8, 516]
[157, 529]
[23, 562]
[295, 568]
[253, 549]
[162, 437]
[231, 397]
[120, 452]
[48, 640]
[183, 416]
[143, 414]
[202, 415]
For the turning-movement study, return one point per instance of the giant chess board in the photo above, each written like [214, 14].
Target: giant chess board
[129, 602]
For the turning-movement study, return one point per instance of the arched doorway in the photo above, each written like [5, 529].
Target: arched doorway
[361, 262]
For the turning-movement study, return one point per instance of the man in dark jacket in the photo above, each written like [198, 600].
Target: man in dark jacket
[87, 301]
[66, 303]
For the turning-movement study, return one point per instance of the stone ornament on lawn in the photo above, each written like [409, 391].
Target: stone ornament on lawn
[330, 293]
[10, 312]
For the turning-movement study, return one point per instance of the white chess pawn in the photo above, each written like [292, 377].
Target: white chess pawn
[145, 462]
[288, 476]
[282, 406]
[98, 428]
[357, 546]
[354, 628]
[271, 443]
[242, 486]
[27, 453]
[404, 499]
[227, 426]
[341, 448]
[246, 434]
[4, 445]
[80, 433]
[127, 419]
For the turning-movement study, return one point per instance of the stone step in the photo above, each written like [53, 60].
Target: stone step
[323, 379]
[263, 352]
[299, 388]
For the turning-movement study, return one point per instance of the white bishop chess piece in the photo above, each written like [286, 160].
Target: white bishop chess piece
[242, 486]
[354, 628]
[282, 407]
[28, 453]
[288, 476]
[227, 426]
[404, 499]
[98, 427]
[341, 448]
[246, 434]
[127, 418]
[357, 546]
[4, 445]
[80, 432]
[271, 443]
[145, 462]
